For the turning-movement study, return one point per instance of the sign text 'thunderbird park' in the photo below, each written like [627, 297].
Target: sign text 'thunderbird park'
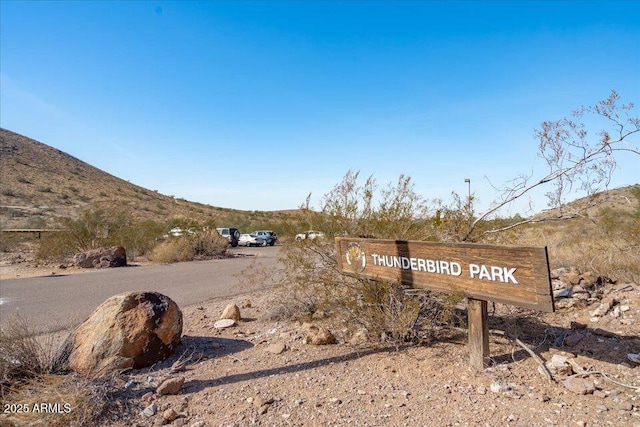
[513, 275]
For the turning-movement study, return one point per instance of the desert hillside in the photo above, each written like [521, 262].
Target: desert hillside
[41, 183]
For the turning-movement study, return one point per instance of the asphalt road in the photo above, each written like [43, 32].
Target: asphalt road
[60, 301]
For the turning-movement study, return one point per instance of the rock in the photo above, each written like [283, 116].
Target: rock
[276, 348]
[170, 414]
[603, 308]
[562, 293]
[130, 330]
[572, 278]
[498, 387]
[148, 397]
[565, 303]
[224, 323]
[578, 291]
[170, 386]
[558, 285]
[231, 311]
[559, 365]
[579, 385]
[634, 357]
[150, 410]
[115, 256]
[577, 326]
[588, 278]
[262, 404]
[558, 272]
[261, 401]
[320, 336]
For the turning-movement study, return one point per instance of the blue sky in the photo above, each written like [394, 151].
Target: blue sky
[254, 105]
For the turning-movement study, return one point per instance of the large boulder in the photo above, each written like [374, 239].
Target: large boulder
[130, 330]
[115, 256]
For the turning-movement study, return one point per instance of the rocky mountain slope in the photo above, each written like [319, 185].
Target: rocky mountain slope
[41, 183]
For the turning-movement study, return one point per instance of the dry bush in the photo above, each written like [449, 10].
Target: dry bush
[22, 353]
[203, 245]
[173, 250]
[312, 282]
[14, 242]
[33, 385]
[208, 244]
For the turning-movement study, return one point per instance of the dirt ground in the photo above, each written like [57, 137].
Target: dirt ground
[263, 373]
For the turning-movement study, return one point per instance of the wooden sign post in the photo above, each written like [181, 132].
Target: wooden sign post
[513, 275]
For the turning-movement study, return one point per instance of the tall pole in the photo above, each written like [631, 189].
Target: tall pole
[468, 181]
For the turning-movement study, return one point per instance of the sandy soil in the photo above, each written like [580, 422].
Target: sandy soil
[263, 373]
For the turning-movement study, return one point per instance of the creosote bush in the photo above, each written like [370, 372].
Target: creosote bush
[201, 245]
[382, 308]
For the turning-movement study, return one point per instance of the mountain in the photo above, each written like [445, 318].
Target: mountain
[40, 183]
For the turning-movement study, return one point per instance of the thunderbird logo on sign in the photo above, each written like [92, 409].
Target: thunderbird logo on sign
[356, 258]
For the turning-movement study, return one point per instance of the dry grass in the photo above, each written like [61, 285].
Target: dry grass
[33, 388]
[584, 244]
[22, 353]
[55, 401]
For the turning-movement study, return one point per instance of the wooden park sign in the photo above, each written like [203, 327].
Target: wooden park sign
[513, 275]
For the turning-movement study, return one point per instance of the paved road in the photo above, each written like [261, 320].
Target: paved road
[56, 302]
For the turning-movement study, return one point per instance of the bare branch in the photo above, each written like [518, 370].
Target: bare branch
[575, 159]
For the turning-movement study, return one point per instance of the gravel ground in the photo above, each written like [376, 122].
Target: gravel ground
[263, 373]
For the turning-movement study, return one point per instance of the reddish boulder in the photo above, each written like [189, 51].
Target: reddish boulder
[115, 256]
[131, 330]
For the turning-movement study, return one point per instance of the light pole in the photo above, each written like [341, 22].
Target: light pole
[468, 181]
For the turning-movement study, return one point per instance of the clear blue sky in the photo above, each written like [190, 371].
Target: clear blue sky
[253, 105]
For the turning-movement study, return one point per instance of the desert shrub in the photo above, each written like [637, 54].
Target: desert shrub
[173, 250]
[22, 354]
[208, 244]
[95, 228]
[202, 245]
[383, 308]
[14, 242]
[31, 373]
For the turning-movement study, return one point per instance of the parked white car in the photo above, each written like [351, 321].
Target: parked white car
[250, 240]
[311, 234]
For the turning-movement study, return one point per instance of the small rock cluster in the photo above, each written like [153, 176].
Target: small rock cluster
[574, 289]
